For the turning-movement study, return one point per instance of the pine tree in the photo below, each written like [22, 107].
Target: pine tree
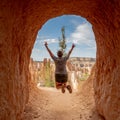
[62, 41]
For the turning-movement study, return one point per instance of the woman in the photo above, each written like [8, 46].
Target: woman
[61, 75]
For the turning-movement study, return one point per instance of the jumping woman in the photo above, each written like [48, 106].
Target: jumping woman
[61, 75]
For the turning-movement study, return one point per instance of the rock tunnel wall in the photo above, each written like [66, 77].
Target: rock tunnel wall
[19, 24]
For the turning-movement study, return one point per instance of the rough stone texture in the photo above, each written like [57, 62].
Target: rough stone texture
[19, 22]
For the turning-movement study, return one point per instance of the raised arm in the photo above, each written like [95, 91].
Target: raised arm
[71, 50]
[46, 45]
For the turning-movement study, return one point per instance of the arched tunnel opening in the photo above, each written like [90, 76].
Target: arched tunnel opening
[20, 22]
[78, 31]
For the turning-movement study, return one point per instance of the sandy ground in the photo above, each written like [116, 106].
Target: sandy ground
[51, 104]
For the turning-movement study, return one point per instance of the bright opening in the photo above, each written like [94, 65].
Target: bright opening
[78, 31]
[50, 103]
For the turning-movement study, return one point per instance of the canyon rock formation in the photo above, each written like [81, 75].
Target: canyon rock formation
[19, 24]
[78, 68]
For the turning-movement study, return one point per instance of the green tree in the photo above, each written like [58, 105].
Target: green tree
[48, 80]
[62, 41]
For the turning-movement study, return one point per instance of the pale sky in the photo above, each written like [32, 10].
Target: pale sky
[77, 30]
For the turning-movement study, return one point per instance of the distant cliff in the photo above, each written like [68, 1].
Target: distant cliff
[78, 68]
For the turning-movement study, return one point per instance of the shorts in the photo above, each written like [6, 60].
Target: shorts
[61, 78]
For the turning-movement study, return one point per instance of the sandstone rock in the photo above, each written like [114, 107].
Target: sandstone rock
[19, 24]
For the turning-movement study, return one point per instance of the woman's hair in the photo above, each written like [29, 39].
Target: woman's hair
[59, 53]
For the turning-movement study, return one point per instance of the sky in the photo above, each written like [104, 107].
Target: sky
[77, 30]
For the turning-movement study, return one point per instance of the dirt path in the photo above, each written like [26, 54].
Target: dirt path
[51, 104]
[60, 105]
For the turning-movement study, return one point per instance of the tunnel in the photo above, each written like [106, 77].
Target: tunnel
[19, 25]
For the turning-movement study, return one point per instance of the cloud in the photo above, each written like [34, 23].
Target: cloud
[77, 20]
[50, 41]
[42, 39]
[83, 35]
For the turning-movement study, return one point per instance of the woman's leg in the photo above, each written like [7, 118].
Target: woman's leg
[69, 88]
[58, 85]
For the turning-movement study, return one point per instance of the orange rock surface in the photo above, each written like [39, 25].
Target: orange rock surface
[19, 24]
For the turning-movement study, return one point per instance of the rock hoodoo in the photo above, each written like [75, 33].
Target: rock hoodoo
[19, 24]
